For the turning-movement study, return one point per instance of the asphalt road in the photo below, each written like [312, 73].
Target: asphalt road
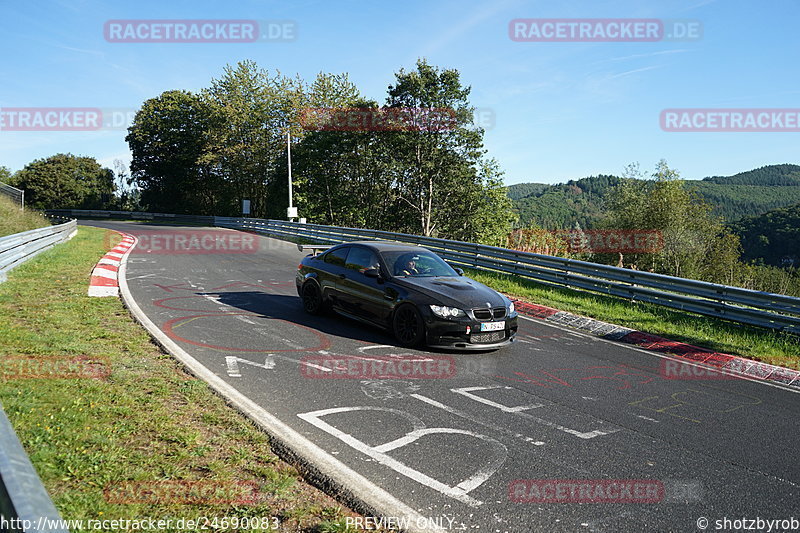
[556, 405]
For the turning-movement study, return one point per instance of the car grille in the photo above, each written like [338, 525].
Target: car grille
[488, 314]
[485, 338]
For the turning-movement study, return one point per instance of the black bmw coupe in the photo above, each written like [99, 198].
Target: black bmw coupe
[409, 290]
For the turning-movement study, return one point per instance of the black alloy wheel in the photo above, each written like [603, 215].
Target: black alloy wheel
[312, 299]
[408, 326]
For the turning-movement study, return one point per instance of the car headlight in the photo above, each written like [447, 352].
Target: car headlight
[511, 308]
[446, 312]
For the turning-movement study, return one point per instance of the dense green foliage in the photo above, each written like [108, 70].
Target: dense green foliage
[773, 237]
[66, 181]
[696, 244]
[564, 205]
[785, 174]
[205, 153]
[521, 190]
[734, 201]
[175, 123]
[581, 201]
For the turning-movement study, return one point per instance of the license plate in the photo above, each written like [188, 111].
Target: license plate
[493, 326]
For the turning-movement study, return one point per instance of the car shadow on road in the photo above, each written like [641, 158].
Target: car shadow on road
[290, 309]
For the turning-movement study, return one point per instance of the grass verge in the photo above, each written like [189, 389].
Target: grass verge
[147, 440]
[14, 220]
[760, 344]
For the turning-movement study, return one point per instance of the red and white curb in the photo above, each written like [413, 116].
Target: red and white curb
[719, 361]
[104, 276]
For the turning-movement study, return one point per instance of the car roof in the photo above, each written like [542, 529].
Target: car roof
[386, 246]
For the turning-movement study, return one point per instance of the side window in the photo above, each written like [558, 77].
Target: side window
[361, 259]
[337, 256]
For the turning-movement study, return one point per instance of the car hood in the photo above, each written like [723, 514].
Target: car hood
[461, 292]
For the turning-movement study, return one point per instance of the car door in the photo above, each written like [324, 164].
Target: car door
[332, 272]
[360, 294]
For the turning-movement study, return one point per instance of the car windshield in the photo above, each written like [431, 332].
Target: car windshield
[421, 263]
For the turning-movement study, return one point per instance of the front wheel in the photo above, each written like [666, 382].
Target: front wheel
[408, 326]
[312, 299]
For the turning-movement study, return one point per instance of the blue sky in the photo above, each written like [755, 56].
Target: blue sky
[556, 111]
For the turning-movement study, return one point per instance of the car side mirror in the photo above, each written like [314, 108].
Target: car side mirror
[459, 271]
[372, 273]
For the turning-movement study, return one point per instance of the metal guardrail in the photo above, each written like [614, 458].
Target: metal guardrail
[131, 215]
[24, 502]
[18, 248]
[775, 311]
[23, 499]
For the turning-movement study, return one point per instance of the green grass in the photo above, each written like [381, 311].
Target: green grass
[726, 337]
[14, 220]
[147, 422]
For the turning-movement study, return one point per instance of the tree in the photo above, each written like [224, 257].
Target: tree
[5, 175]
[344, 176]
[695, 243]
[439, 167]
[253, 112]
[66, 181]
[169, 140]
[482, 212]
[340, 176]
[128, 196]
[208, 152]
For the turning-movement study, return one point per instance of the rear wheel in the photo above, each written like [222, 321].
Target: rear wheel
[312, 299]
[408, 326]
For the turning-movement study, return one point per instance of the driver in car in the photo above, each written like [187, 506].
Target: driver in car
[410, 268]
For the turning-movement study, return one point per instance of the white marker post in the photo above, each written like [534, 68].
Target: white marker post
[291, 211]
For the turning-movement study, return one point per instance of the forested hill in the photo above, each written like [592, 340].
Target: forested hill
[562, 205]
[773, 236]
[770, 175]
[748, 193]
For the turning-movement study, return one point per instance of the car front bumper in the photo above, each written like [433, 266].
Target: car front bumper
[452, 334]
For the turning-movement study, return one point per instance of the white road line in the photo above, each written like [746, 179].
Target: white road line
[458, 492]
[518, 411]
[467, 416]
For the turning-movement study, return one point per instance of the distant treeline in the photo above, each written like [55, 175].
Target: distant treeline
[581, 201]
